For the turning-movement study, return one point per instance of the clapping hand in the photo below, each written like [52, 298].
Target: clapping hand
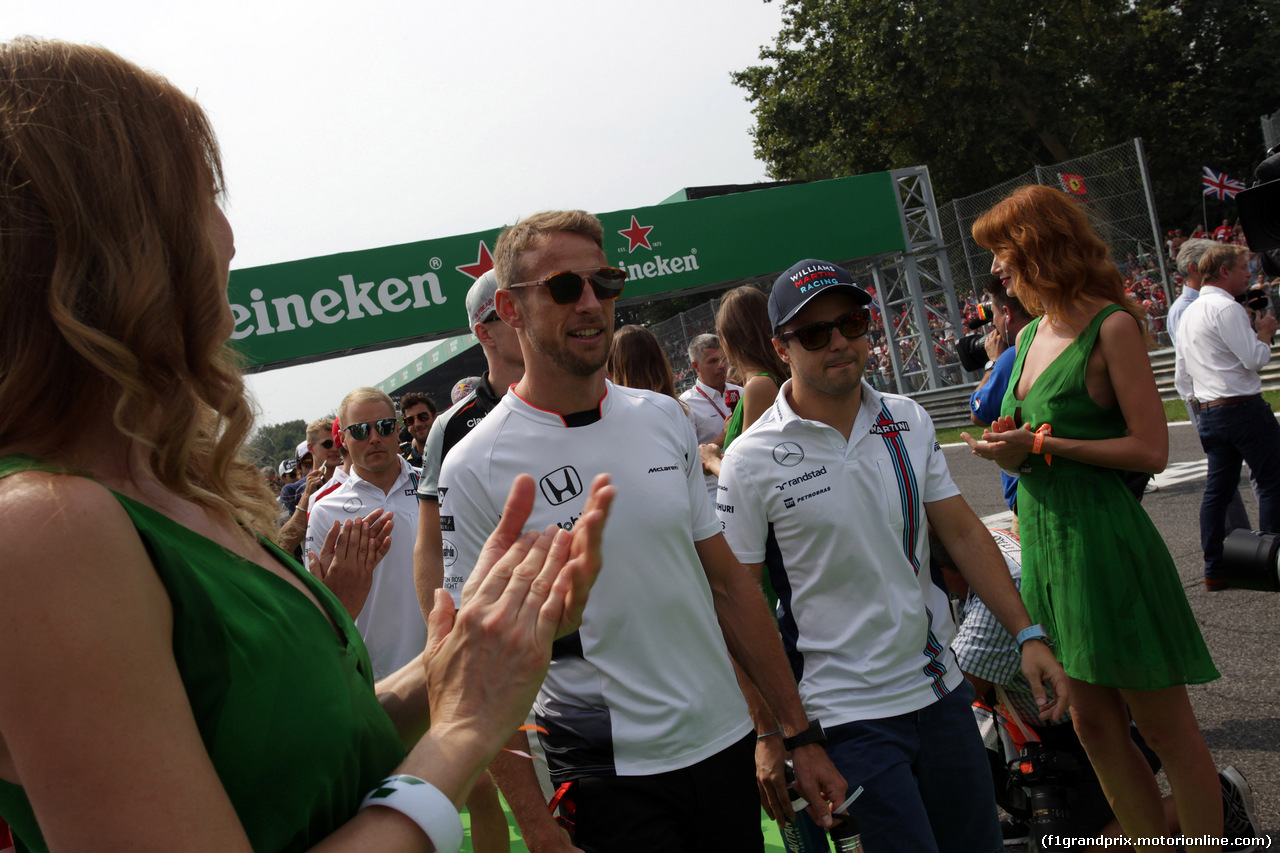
[350, 552]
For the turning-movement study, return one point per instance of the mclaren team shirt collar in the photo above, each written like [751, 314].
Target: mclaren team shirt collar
[574, 419]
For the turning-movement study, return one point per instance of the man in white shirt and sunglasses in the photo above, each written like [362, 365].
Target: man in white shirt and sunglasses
[390, 622]
[641, 716]
[830, 491]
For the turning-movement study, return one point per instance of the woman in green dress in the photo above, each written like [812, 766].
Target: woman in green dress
[1082, 404]
[172, 680]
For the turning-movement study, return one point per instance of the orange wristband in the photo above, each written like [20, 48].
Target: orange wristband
[1038, 442]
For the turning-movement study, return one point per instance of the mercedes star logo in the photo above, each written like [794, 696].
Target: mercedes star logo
[788, 454]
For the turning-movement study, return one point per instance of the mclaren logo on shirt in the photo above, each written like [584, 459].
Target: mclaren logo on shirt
[788, 454]
[660, 468]
[561, 486]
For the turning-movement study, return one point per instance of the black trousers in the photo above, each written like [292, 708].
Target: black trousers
[712, 805]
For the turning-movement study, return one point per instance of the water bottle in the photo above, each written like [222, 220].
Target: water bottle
[801, 835]
[845, 835]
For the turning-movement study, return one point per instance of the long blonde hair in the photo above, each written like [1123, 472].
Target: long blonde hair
[111, 287]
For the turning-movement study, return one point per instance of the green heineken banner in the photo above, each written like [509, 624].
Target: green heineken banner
[304, 310]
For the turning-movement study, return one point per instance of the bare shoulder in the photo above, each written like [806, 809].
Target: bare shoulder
[1120, 324]
[40, 504]
[71, 530]
[760, 381]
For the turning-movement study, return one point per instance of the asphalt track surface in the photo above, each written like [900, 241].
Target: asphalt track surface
[1239, 713]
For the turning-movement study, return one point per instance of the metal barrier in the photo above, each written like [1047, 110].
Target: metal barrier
[949, 407]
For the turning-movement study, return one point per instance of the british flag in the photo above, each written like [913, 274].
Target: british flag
[1217, 184]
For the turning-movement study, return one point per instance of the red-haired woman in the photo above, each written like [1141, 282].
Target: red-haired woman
[1082, 405]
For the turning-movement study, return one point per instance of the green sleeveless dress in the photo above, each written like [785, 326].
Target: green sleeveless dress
[284, 703]
[1095, 571]
[733, 426]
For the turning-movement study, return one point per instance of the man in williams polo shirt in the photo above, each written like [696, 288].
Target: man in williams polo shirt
[641, 710]
[831, 491]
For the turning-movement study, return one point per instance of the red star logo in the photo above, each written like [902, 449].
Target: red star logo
[484, 263]
[638, 235]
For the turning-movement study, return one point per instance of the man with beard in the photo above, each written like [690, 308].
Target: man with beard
[831, 489]
[641, 715]
[419, 412]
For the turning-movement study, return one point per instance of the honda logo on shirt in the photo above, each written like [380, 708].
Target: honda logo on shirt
[561, 486]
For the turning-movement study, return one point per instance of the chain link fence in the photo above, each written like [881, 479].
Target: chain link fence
[1112, 187]
[913, 342]
[1271, 130]
[674, 335]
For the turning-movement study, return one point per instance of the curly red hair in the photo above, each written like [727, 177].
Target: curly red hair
[1055, 256]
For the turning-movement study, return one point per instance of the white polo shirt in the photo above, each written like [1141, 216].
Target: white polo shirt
[391, 621]
[645, 686]
[709, 408]
[841, 528]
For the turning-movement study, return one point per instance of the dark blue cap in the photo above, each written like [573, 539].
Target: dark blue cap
[794, 288]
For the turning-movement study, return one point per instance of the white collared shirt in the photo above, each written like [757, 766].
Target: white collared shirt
[391, 621]
[841, 528]
[708, 409]
[1218, 352]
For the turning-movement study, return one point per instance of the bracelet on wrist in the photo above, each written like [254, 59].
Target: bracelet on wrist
[769, 734]
[424, 804]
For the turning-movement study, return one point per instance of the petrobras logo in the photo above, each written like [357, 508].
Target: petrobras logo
[662, 265]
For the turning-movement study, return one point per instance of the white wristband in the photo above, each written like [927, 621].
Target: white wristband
[425, 805]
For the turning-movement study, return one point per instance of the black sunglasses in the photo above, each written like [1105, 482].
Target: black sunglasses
[384, 426]
[815, 336]
[566, 287]
[327, 444]
[420, 417]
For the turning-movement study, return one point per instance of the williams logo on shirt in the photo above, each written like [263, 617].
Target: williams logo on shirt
[561, 485]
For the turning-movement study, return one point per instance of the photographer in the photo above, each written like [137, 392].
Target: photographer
[1008, 318]
[1219, 355]
[1053, 778]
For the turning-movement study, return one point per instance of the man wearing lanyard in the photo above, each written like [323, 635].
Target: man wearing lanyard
[711, 399]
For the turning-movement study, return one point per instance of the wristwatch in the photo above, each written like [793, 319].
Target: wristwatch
[813, 734]
[1033, 632]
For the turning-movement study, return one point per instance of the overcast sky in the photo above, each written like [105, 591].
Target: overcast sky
[351, 126]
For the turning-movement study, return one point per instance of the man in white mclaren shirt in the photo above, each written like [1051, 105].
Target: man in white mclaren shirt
[643, 719]
[390, 622]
